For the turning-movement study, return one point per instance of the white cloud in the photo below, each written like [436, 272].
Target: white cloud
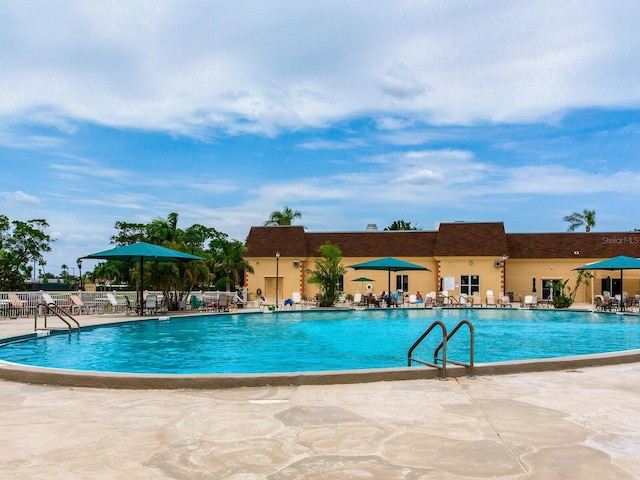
[21, 198]
[165, 66]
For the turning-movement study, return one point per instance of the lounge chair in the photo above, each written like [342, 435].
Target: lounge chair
[223, 302]
[491, 300]
[357, 300]
[114, 305]
[77, 305]
[505, 301]
[296, 298]
[413, 300]
[476, 300]
[464, 300]
[530, 301]
[17, 306]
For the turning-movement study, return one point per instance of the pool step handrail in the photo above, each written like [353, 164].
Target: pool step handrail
[467, 365]
[58, 312]
[442, 366]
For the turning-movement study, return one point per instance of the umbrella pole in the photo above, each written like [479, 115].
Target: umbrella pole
[389, 288]
[140, 310]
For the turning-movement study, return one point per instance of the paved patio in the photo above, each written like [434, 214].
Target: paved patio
[568, 424]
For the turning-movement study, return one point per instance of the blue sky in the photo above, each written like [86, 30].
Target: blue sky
[351, 112]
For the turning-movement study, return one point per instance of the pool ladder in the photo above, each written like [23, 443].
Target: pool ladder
[58, 312]
[443, 347]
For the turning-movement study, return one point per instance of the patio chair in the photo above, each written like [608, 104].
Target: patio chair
[223, 303]
[129, 307]
[371, 300]
[476, 300]
[413, 300]
[505, 301]
[17, 306]
[297, 300]
[357, 300]
[114, 305]
[195, 303]
[491, 300]
[464, 300]
[151, 304]
[77, 305]
[530, 301]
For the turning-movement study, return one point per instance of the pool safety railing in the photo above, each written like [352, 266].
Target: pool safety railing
[52, 308]
[440, 362]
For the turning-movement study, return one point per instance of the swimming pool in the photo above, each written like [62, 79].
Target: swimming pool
[322, 341]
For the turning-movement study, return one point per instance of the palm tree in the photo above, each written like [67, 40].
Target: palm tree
[231, 264]
[328, 272]
[162, 230]
[285, 217]
[586, 218]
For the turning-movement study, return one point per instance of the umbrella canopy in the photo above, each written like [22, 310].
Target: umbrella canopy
[389, 264]
[362, 280]
[141, 251]
[616, 263]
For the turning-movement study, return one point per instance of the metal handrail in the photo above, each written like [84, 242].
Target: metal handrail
[57, 311]
[469, 366]
[443, 367]
[443, 346]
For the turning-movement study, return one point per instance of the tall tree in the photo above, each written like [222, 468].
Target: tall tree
[285, 217]
[401, 225]
[27, 243]
[223, 263]
[587, 219]
[22, 244]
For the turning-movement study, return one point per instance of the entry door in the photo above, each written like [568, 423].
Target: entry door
[270, 287]
[611, 285]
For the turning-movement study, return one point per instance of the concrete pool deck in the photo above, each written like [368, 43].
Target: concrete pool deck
[577, 423]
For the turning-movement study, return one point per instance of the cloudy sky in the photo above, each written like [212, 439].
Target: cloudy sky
[352, 112]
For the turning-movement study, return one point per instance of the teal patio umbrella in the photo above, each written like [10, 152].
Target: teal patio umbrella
[362, 280]
[141, 252]
[616, 263]
[388, 264]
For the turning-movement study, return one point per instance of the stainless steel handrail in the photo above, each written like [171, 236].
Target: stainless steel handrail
[443, 367]
[443, 347]
[469, 366]
[57, 311]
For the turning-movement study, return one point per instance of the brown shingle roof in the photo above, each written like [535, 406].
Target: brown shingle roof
[470, 238]
[452, 239]
[295, 242]
[563, 245]
[410, 243]
[266, 241]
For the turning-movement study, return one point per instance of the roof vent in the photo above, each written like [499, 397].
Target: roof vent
[372, 227]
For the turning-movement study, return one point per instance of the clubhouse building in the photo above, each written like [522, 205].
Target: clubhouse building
[462, 258]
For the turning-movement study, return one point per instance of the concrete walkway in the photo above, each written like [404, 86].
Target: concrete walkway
[569, 424]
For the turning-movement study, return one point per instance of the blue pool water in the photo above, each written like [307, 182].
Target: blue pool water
[323, 340]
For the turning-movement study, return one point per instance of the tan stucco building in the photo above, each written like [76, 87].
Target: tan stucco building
[463, 258]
